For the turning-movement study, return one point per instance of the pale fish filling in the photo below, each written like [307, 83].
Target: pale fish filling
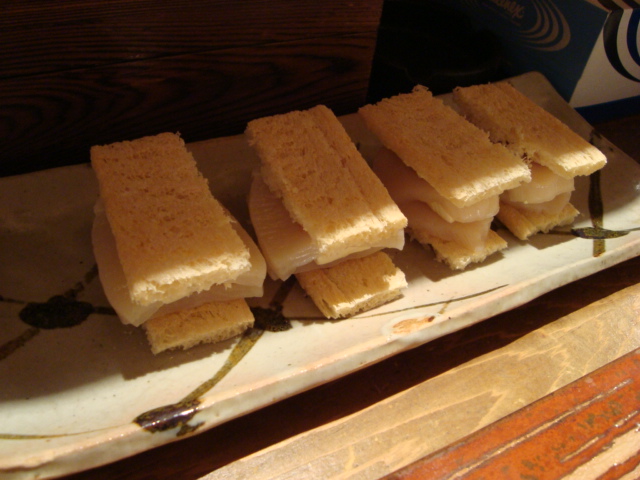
[286, 246]
[430, 212]
[547, 193]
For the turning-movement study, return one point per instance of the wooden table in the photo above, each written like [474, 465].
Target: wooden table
[548, 390]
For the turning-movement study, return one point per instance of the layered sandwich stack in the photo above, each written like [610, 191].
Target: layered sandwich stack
[321, 214]
[444, 173]
[554, 152]
[170, 257]
[173, 260]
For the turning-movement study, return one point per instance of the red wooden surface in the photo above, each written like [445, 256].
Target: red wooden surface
[551, 438]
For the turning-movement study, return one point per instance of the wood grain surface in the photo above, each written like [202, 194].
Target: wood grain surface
[586, 430]
[48, 36]
[75, 74]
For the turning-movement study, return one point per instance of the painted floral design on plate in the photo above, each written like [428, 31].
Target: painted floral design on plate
[81, 389]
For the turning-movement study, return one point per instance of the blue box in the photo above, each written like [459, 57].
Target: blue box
[588, 49]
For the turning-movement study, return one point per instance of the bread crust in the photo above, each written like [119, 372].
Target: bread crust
[208, 323]
[172, 236]
[450, 153]
[456, 256]
[528, 130]
[247, 284]
[309, 162]
[523, 223]
[354, 285]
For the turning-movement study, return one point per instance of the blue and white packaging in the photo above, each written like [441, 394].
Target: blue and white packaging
[588, 49]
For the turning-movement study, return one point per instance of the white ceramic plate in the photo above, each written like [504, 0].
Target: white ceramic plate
[74, 397]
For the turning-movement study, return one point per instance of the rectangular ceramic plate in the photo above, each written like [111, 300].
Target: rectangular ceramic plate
[80, 389]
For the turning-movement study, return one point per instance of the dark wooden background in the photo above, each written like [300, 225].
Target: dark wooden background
[76, 73]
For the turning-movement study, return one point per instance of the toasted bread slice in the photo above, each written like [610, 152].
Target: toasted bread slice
[354, 285]
[527, 129]
[286, 247]
[534, 134]
[457, 256]
[172, 236]
[451, 154]
[247, 284]
[523, 223]
[208, 323]
[311, 164]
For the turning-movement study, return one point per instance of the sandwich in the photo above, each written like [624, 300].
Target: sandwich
[444, 173]
[315, 203]
[170, 257]
[554, 153]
